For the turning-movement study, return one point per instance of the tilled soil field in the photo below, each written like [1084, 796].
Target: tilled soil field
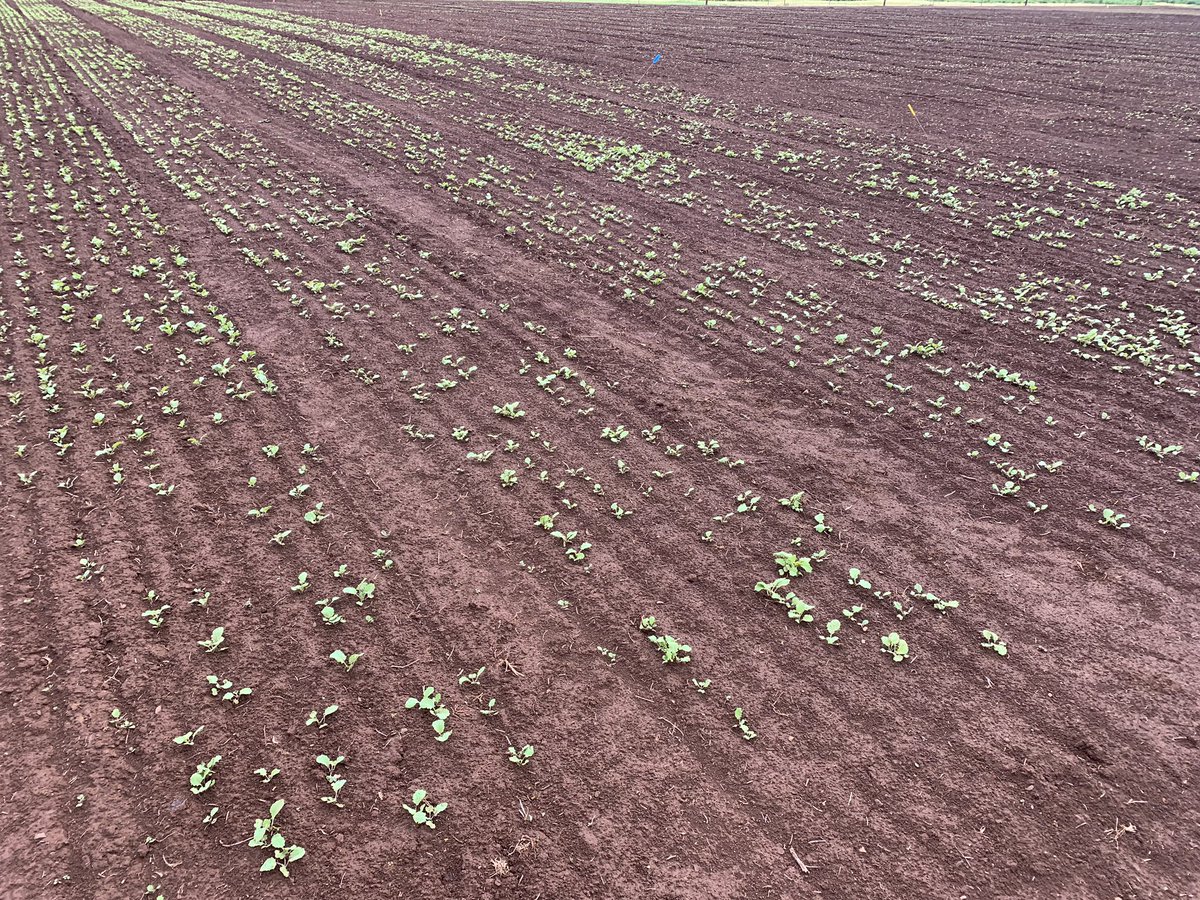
[448, 455]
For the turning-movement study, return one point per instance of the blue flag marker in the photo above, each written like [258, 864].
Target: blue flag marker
[653, 63]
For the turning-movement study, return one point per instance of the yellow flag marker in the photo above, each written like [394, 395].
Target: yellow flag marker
[918, 118]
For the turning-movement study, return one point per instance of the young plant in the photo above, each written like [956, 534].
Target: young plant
[316, 515]
[509, 410]
[431, 702]
[672, 651]
[215, 641]
[223, 688]
[361, 592]
[157, 617]
[795, 502]
[321, 719]
[896, 646]
[743, 725]
[329, 614]
[615, 433]
[335, 781]
[188, 739]
[992, 641]
[268, 836]
[857, 580]
[520, 757]
[423, 810]
[344, 659]
[938, 603]
[1109, 517]
[794, 566]
[854, 614]
[472, 678]
[203, 778]
[832, 627]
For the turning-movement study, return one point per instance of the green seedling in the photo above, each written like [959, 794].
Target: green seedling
[431, 702]
[157, 617]
[795, 502]
[1160, 450]
[854, 614]
[361, 592]
[619, 511]
[798, 610]
[223, 688]
[672, 651]
[344, 659]
[423, 810]
[321, 719]
[832, 627]
[747, 502]
[335, 781]
[188, 739]
[578, 554]
[939, 604]
[266, 777]
[520, 757]
[896, 646]
[215, 641]
[992, 641]
[203, 779]
[616, 433]
[509, 410]
[1109, 517]
[329, 614]
[119, 720]
[743, 725]
[268, 836]
[792, 565]
[1008, 490]
[472, 678]
[857, 580]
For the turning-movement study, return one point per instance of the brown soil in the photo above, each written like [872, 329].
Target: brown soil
[754, 247]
